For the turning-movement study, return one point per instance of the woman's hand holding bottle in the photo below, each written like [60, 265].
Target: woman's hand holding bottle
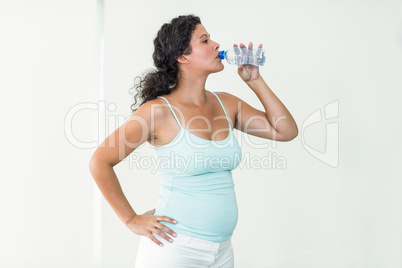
[147, 223]
[248, 72]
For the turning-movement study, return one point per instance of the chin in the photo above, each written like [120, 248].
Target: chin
[217, 69]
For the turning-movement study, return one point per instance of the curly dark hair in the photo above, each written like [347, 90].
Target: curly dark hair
[172, 41]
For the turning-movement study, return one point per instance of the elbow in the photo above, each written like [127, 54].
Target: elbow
[296, 133]
[93, 163]
[293, 135]
[97, 162]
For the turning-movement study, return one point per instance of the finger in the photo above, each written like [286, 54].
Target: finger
[236, 49]
[153, 239]
[243, 49]
[162, 235]
[166, 219]
[250, 49]
[258, 53]
[166, 229]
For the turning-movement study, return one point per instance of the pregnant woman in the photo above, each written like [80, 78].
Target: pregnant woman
[190, 130]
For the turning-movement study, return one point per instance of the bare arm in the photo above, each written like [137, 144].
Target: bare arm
[129, 136]
[112, 151]
[276, 122]
[276, 113]
[109, 185]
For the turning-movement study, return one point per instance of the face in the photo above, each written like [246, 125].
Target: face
[204, 55]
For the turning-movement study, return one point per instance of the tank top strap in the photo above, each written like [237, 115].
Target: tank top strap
[171, 110]
[223, 109]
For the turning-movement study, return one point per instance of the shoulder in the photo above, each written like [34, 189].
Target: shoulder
[153, 113]
[227, 97]
[229, 100]
[149, 107]
[157, 106]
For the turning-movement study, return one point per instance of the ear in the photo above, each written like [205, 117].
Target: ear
[182, 59]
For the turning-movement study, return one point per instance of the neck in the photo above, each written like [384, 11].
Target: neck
[190, 90]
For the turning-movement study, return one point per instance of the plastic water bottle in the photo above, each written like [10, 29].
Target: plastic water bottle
[242, 55]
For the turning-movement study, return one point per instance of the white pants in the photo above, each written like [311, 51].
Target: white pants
[184, 252]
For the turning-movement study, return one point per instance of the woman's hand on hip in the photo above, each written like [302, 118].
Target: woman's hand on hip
[147, 223]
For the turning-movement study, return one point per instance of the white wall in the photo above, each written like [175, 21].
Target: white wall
[47, 66]
[309, 214]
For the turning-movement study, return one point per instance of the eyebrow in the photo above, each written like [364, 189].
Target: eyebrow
[203, 35]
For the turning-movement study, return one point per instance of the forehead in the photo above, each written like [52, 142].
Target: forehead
[198, 32]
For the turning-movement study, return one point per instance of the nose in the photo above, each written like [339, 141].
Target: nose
[217, 45]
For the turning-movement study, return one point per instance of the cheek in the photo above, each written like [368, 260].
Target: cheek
[204, 54]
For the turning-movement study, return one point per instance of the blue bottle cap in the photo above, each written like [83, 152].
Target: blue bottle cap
[222, 54]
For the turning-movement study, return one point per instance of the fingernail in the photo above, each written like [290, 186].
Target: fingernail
[161, 245]
[174, 234]
[170, 240]
[174, 221]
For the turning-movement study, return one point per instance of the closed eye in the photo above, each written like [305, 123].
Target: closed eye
[206, 41]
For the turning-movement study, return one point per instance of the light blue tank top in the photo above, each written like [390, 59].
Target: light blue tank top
[196, 185]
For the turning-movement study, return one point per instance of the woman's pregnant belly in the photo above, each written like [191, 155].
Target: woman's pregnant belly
[207, 214]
